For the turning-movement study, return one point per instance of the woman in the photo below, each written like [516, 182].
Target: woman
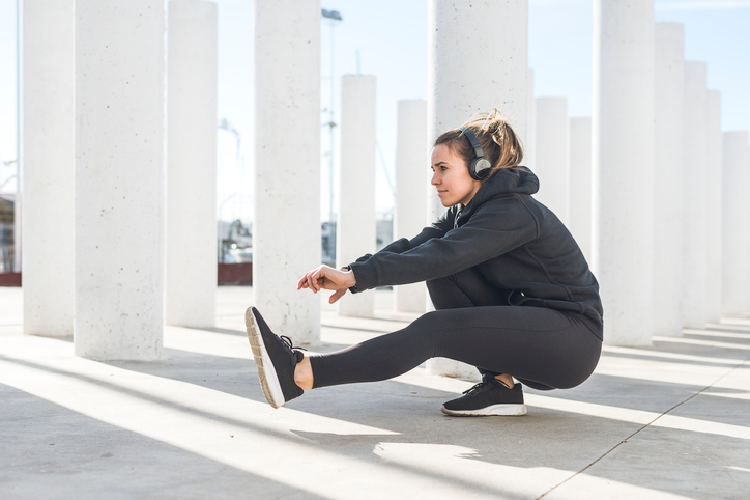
[513, 293]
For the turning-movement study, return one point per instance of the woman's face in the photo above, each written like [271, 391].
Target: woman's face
[451, 177]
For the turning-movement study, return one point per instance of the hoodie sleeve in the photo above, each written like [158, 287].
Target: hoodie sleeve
[493, 230]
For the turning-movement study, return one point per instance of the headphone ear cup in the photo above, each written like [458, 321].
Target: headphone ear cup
[479, 168]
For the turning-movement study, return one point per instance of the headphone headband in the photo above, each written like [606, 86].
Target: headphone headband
[478, 152]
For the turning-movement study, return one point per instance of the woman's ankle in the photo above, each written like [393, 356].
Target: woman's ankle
[303, 374]
[505, 379]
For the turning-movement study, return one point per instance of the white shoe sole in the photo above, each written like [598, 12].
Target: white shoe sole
[494, 410]
[269, 380]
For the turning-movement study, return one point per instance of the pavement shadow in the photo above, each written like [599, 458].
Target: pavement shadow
[60, 453]
[662, 459]
[544, 438]
[229, 331]
[653, 355]
[296, 438]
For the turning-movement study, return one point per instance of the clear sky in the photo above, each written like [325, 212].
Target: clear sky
[388, 39]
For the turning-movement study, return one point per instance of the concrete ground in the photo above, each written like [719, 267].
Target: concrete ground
[667, 421]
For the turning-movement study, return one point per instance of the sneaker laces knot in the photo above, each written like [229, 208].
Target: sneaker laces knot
[289, 343]
[475, 387]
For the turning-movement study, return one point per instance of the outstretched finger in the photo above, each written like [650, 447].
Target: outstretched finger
[302, 283]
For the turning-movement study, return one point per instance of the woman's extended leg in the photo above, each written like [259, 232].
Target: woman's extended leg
[540, 345]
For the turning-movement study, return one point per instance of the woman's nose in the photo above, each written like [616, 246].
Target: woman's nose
[435, 179]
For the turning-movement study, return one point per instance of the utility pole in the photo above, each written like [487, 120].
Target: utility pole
[333, 17]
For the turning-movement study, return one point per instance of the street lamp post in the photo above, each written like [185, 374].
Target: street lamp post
[333, 17]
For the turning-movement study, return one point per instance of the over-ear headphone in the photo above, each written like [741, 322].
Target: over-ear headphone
[480, 167]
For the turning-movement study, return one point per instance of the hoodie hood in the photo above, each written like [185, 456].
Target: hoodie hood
[505, 182]
[508, 181]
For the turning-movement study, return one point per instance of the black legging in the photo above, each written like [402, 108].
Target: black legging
[543, 348]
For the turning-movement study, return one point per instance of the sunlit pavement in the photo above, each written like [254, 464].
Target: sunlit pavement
[667, 421]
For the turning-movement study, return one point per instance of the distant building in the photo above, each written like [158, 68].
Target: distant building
[236, 242]
[328, 243]
[7, 233]
[383, 236]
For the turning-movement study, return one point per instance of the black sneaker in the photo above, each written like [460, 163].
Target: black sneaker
[488, 397]
[275, 359]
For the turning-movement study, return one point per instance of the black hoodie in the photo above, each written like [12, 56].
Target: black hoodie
[516, 242]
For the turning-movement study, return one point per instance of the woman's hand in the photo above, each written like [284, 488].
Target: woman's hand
[330, 279]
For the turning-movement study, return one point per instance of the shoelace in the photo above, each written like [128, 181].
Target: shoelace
[481, 384]
[289, 343]
[475, 387]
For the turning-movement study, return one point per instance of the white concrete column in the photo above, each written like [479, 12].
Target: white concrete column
[48, 152]
[552, 155]
[529, 150]
[412, 158]
[286, 231]
[694, 178]
[579, 221]
[119, 179]
[668, 198]
[713, 188]
[463, 37]
[623, 141]
[736, 225]
[355, 230]
[192, 103]
[477, 60]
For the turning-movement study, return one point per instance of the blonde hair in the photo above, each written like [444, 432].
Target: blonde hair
[500, 144]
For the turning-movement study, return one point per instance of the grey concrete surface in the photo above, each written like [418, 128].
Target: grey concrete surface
[665, 422]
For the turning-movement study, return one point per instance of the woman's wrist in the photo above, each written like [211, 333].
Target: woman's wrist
[351, 280]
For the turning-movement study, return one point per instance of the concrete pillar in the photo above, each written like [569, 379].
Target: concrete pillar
[668, 199]
[48, 152]
[623, 141]
[552, 155]
[736, 225]
[286, 231]
[529, 150]
[579, 221]
[463, 37]
[412, 156]
[694, 178]
[477, 60]
[192, 103]
[119, 180]
[356, 221]
[713, 170]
